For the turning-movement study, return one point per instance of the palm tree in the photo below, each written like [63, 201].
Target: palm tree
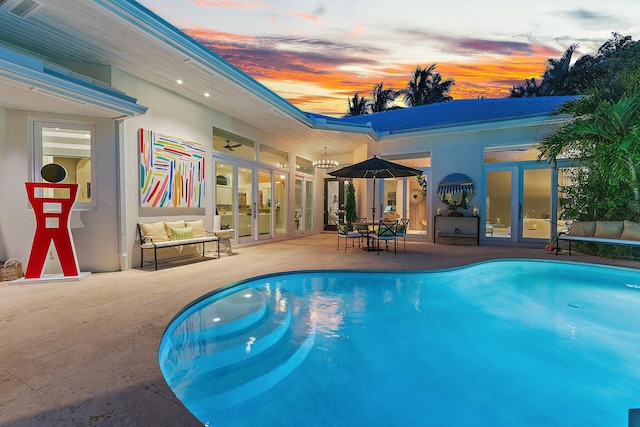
[382, 98]
[357, 105]
[528, 90]
[426, 87]
[604, 134]
[555, 80]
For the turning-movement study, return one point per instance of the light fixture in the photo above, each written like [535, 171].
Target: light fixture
[325, 163]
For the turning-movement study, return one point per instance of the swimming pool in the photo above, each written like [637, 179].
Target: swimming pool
[500, 343]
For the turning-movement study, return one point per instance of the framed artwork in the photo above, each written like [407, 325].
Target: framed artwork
[172, 171]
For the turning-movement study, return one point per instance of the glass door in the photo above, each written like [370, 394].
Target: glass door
[280, 203]
[247, 204]
[304, 204]
[334, 199]
[264, 202]
[499, 205]
[536, 204]
[519, 204]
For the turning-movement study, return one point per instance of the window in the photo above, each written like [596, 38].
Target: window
[511, 153]
[72, 146]
[234, 145]
[274, 157]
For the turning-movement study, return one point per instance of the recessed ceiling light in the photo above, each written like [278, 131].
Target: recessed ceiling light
[179, 81]
[206, 94]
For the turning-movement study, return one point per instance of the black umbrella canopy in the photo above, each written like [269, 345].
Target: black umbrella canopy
[375, 168]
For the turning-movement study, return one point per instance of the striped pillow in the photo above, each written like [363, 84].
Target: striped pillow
[182, 233]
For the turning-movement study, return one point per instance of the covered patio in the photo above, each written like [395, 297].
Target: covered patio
[85, 352]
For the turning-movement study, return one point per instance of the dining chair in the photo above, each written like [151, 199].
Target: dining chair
[346, 234]
[386, 232]
[401, 231]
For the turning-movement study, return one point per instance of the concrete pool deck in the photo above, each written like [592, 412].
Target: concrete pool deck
[84, 353]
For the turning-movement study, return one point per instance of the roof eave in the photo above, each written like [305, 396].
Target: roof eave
[31, 72]
[152, 24]
[475, 126]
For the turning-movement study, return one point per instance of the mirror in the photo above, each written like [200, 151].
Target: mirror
[53, 173]
[456, 191]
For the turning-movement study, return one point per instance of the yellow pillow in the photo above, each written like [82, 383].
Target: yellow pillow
[173, 224]
[154, 232]
[198, 228]
[631, 231]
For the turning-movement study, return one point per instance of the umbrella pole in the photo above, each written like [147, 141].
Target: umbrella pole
[373, 208]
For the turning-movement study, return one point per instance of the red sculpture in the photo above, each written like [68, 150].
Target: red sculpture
[52, 225]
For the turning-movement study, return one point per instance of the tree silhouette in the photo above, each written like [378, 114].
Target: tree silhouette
[357, 105]
[382, 99]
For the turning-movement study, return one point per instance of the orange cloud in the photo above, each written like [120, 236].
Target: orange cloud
[319, 76]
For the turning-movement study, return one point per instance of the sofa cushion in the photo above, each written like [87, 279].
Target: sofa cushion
[154, 231]
[181, 233]
[173, 224]
[582, 228]
[198, 228]
[608, 229]
[631, 231]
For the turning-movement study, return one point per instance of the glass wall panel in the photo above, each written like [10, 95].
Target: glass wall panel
[298, 201]
[235, 145]
[308, 205]
[514, 153]
[333, 202]
[245, 202]
[304, 165]
[273, 156]
[264, 202]
[280, 200]
[499, 204]
[224, 193]
[536, 204]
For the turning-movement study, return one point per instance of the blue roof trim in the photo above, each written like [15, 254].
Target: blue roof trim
[152, 24]
[458, 113]
[52, 79]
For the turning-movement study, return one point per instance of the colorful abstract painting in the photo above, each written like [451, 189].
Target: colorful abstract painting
[172, 171]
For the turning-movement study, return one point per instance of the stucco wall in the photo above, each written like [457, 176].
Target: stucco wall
[92, 230]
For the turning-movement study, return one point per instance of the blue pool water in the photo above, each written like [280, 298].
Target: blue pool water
[501, 343]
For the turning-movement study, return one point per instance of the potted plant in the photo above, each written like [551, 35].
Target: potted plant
[454, 204]
[350, 211]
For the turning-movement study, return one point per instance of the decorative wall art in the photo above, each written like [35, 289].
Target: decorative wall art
[172, 171]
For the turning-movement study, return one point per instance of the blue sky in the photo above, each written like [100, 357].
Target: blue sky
[317, 54]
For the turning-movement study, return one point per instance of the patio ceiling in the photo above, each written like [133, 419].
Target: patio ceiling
[123, 34]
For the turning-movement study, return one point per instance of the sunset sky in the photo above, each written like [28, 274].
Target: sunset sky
[317, 54]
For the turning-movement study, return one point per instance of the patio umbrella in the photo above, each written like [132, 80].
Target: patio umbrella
[375, 168]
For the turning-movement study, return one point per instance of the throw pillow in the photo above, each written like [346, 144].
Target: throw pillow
[182, 233]
[608, 229]
[198, 228]
[631, 231]
[154, 232]
[582, 228]
[173, 224]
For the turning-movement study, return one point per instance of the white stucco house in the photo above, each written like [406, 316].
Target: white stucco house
[94, 85]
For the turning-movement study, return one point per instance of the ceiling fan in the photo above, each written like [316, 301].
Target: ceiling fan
[231, 147]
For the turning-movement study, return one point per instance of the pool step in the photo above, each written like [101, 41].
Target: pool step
[211, 352]
[223, 369]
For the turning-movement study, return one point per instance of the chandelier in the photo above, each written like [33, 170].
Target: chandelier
[325, 163]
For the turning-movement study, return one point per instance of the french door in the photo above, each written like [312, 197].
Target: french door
[520, 203]
[251, 200]
[334, 200]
